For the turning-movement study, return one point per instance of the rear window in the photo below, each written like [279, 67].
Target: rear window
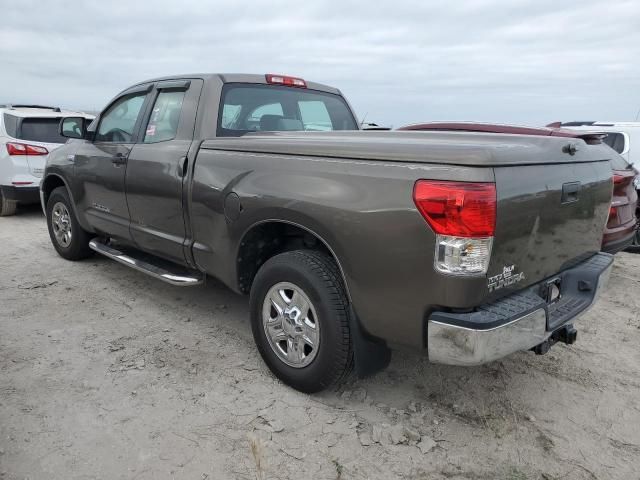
[33, 129]
[268, 108]
[615, 141]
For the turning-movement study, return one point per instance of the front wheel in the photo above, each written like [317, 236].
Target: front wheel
[300, 320]
[67, 236]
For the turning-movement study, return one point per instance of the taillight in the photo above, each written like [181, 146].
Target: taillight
[15, 148]
[285, 80]
[463, 209]
[463, 216]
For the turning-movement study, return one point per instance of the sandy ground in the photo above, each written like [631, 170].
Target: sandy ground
[106, 373]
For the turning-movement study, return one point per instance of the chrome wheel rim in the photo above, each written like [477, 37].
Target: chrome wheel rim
[61, 224]
[291, 324]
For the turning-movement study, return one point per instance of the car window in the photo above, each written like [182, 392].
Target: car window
[118, 122]
[229, 115]
[615, 141]
[36, 129]
[314, 115]
[165, 116]
[253, 107]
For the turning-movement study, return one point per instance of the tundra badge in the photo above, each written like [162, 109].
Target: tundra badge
[504, 279]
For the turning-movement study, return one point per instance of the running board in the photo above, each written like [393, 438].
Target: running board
[160, 269]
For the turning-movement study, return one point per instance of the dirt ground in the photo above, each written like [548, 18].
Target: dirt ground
[106, 373]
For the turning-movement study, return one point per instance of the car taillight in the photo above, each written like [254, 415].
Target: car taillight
[463, 216]
[285, 80]
[15, 148]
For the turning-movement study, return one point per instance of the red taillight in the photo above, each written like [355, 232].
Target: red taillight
[620, 179]
[23, 149]
[461, 209]
[285, 80]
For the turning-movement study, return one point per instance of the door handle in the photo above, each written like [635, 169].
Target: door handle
[119, 159]
[570, 192]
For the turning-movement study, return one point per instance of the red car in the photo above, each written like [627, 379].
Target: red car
[621, 227]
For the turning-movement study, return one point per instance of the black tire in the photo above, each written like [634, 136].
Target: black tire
[7, 207]
[78, 246]
[317, 275]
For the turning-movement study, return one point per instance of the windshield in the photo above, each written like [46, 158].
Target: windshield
[269, 108]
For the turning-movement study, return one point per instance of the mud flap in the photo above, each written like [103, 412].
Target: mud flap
[370, 355]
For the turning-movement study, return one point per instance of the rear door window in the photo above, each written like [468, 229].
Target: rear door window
[259, 108]
[165, 117]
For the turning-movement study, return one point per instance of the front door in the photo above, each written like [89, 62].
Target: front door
[157, 167]
[101, 165]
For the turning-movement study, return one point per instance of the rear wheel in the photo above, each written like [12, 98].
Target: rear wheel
[7, 207]
[300, 320]
[67, 236]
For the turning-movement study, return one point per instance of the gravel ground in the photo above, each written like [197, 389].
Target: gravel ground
[106, 373]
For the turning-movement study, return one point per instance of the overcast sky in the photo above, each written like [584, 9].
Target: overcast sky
[398, 62]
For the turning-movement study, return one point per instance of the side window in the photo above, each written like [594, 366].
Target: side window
[315, 116]
[117, 123]
[165, 116]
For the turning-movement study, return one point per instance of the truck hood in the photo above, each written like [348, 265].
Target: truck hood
[451, 148]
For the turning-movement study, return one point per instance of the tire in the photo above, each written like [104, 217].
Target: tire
[61, 219]
[315, 277]
[7, 207]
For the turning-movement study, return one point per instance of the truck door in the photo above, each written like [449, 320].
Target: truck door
[101, 164]
[157, 167]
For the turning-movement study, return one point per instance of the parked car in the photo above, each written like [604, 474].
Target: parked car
[621, 229]
[27, 134]
[471, 246]
[624, 138]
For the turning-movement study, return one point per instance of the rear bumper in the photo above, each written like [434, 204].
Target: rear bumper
[21, 194]
[518, 322]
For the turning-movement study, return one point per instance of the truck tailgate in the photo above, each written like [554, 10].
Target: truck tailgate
[549, 217]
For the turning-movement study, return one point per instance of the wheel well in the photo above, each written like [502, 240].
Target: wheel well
[265, 240]
[49, 185]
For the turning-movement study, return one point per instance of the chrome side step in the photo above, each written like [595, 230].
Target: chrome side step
[160, 269]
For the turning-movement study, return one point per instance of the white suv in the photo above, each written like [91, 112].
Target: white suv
[27, 134]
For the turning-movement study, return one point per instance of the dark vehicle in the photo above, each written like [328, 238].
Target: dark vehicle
[621, 229]
[470, 246]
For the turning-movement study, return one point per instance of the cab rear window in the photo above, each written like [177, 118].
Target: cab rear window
[33, 129]
[269, 108]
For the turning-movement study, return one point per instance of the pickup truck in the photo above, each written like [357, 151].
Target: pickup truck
[470, 246]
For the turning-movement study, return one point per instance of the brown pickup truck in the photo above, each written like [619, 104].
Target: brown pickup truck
[470, 246]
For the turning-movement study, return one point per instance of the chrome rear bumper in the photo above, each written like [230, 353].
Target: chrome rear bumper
[465, 345]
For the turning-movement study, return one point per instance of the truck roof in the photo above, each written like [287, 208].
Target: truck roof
[239, 78]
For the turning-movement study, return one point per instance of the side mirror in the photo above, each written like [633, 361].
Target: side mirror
[73, 127]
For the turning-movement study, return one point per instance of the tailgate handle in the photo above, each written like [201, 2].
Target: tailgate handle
[570, 192]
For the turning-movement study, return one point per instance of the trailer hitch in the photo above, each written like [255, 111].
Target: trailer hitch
[566, 334]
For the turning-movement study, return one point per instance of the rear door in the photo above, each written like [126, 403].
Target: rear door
[157, 167]
[101, 165]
